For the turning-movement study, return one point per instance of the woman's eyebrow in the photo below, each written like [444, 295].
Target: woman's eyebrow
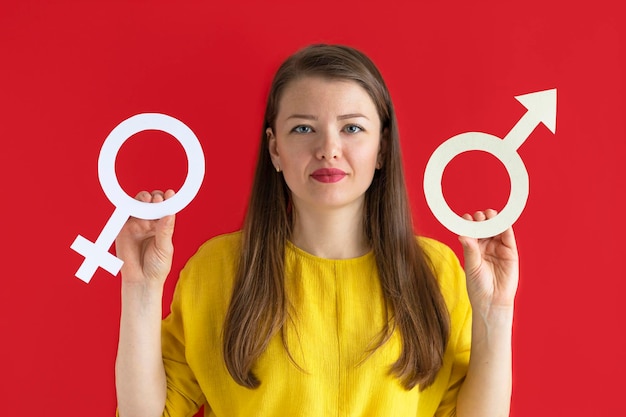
[302, 116]
[351, 116]
[340, 117]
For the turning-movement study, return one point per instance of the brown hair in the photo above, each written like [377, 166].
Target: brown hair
[258, 307]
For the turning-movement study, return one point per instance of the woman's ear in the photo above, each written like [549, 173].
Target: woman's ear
[273, 148]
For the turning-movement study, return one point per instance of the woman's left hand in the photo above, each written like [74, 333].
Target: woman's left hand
[491, 267]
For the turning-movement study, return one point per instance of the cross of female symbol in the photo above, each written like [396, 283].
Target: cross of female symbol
[541, 109]
[97, 253]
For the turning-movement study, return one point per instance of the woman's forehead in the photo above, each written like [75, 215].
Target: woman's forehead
[313, 95]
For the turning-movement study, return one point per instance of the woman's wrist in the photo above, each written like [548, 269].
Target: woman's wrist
[493, 326]
[142, 293]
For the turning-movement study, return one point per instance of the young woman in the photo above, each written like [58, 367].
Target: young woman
[325, 304]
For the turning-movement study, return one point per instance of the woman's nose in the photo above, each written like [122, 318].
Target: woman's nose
[329, 146]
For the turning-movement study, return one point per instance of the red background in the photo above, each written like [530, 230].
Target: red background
[71, 71]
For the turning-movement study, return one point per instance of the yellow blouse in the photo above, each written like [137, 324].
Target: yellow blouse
[338, 313]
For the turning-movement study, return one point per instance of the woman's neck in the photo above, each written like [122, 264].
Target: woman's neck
[331, 234]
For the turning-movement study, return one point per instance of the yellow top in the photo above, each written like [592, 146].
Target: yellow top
[338, 313]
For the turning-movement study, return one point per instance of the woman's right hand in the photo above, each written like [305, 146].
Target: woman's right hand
[146, 246]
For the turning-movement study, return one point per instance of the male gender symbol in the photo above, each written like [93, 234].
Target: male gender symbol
[97, 254]
[541, 108]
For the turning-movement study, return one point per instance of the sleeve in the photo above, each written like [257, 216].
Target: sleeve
[451, 277]
[184, 396]
[447, 407]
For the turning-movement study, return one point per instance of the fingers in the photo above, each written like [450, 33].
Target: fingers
[144, 196]
[507, 237]
[169, 194]
[470, 245]
[155, 196]
[159, 196]
[480, 216]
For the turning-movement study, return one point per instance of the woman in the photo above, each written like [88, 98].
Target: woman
[325, 303]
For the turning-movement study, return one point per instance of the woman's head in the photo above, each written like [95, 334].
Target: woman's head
[326, 141]
[334, 63]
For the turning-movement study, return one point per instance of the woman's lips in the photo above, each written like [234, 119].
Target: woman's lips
[328, 175]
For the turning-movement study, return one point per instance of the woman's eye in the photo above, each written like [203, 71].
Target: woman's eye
[302, 129]
[353, 129]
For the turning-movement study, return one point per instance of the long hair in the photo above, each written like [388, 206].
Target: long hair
[258, 306]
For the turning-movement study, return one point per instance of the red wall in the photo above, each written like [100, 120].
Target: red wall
[71, 71]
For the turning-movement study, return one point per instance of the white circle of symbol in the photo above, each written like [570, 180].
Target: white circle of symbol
[476, 141]
[112, 145]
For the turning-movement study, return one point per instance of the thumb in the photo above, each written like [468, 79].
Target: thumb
[164, 229]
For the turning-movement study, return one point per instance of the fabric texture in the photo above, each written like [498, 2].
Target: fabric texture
[337, 312]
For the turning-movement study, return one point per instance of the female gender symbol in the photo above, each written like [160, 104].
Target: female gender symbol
[97, 254]
[541, 109]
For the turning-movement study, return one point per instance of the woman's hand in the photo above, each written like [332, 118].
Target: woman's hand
[146, 246]
[491, 267]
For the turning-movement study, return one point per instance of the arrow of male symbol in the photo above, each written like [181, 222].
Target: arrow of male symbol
[541, 108]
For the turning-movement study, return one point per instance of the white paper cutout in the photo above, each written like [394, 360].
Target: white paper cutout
[97, 254]
[541, 108]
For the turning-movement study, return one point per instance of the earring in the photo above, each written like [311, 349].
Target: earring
[277, 169]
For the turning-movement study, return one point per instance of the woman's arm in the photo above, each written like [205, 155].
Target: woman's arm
[146, 249]
[492, 270]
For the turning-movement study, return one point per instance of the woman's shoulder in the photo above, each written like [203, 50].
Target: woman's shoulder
[205, 283]
[218, 255]
[437, 252]
[445, 266]
[226, 244]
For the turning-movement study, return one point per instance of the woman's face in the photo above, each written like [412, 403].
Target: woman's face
[327, 142]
